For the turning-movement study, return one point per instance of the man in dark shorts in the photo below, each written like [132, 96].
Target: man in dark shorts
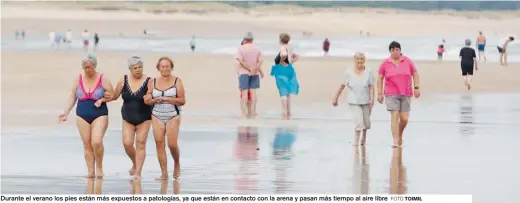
[503, 51]
[249, 58]
[468, 61]
[481, 46]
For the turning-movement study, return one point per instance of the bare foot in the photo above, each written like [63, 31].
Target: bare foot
[284, 116]
[132, 171]
[469, 87]
[90, 175]
[243, 117]
[177, 171]
[253, 115]
[355, 144]
[100, 175]
[362, 144]
[137, 177]
[162, 177]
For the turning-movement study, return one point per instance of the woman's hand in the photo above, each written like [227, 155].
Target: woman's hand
[108, 95]
[380, 98]
[62, 117]
[98, 103]
[335, 102]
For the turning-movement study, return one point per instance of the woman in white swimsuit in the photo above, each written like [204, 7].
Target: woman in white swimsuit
[166, 94]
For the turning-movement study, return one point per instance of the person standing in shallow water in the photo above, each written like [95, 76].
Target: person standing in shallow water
[136, 114]
[481, 46]
[92, 113]
[166, 94]
[468, 61]
[326, 47]
[249, 69]
[285, 75]
[360, 96]
[397, 72]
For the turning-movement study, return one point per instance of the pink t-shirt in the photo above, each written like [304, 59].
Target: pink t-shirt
[251, 54]
[398, 78]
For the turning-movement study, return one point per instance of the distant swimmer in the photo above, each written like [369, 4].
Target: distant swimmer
[89, 91]
[23, 34]
[481, 45]
[326, 46]
[96, 41]
[16, 34]
[192, 44]
[86, 38]
[468, 62]
[503, 50]
[166, 94]
[136, 114]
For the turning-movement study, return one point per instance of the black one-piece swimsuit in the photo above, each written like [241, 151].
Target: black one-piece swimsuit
[134, 110]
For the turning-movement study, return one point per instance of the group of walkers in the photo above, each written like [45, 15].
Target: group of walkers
[154, 102]
[397, 77]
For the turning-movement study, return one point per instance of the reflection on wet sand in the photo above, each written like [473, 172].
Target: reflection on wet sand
[137, 187]
[466, 115]
[246, 152]
[282, 158]
[94, 186]
[398, 173]
[361, 179]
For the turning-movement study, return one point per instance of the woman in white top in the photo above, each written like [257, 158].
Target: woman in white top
[502, 50]
[360, 96]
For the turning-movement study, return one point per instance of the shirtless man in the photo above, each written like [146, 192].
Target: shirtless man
[481, 45]
[503, 51]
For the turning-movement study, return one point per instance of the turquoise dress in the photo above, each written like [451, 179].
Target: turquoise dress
[286, 80]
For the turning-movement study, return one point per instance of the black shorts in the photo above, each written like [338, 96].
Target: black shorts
[439, 54]
[467, 69]
[500, 50]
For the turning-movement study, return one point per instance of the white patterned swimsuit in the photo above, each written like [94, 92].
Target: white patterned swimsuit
[165, 111]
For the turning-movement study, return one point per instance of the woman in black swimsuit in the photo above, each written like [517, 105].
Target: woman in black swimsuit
[136, 114]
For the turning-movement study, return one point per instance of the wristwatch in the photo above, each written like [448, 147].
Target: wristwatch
[416, 87]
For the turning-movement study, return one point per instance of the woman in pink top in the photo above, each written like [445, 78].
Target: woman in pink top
[397, 72]
[440, 52]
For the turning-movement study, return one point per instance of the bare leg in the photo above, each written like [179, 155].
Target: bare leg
[128, 144]
[501, 55]
[356, 139]
[364, 139]
[505, 59]
[468, 79]
[395, 127]
[172, 132]
[141, 136]
[159, 131]
[244, 104]
[289, 113]
[86, 137]
[253, 103]
[403, 121]
[99, 127]
[284, 108]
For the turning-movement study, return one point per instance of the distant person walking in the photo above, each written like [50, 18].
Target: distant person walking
[52, 39]
[23, 34]
[58, 38]
[68, 38]
[397, 73]
[360, 96]
[96, 41]
[326, 46]
[16, 34]
[85, 36]
[192, 44]
[502, 50]
[481, 46]
[440, 52]
[468, 61]
[285, 75]
[249, 58]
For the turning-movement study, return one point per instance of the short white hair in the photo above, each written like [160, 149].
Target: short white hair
[359, 55]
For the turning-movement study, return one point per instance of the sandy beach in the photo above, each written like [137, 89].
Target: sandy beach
[448, 124]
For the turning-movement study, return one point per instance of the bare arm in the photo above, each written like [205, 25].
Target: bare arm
[180, 99]
[475, 62]
[244, 64]
[416, 80]
[119, 88]
[107, 86]
[380, 85]
[295, 58]
[148, 97]
[72, 98]
[340, 90]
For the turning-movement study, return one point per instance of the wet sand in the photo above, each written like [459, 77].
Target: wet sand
[457, 144]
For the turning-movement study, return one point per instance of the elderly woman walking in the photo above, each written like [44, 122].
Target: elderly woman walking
[285, 75]
[468, 61]
[360, 96]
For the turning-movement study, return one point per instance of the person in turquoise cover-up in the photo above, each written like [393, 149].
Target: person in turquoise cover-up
[285, 75]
